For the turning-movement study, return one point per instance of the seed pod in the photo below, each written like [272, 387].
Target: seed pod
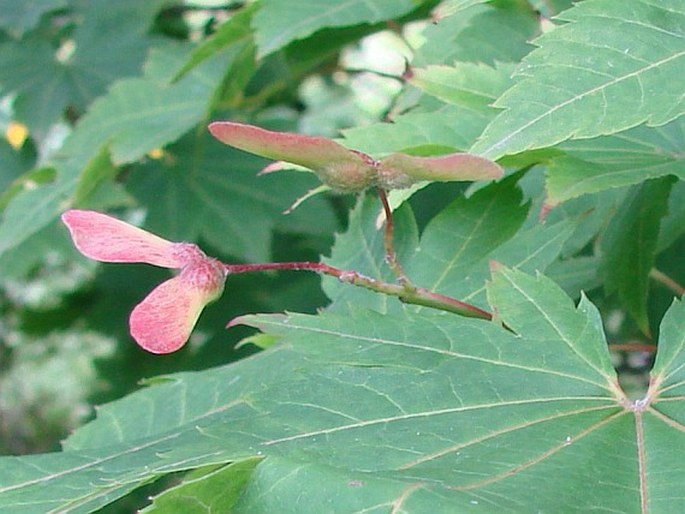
[336, 166]
[349, 170]
[400, 170]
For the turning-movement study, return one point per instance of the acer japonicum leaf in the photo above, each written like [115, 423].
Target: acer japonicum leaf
[349, 170]
[163, 321]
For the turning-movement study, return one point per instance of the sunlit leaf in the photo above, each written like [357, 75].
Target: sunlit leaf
[277, 23]
[487, 33]
[465, 84]
[607, 70]
[233, 31]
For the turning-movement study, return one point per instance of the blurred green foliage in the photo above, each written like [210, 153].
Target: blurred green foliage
[104, 105]
[71, 71]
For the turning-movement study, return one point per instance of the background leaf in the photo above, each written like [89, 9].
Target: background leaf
[419, 133]
[18, 17]
[277, 24]
[673, 224]
[465, 84]
[622, 159]
[206, 489]
[629, 244]
[154, 114]
[235, 30]
[202, 189]
[103, 49]
[488, 33]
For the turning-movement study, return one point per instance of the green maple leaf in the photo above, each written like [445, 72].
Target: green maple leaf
[629, 246]
[427, 412]
[478, 32]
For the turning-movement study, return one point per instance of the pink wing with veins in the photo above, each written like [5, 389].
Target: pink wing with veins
[163, 321]
[108, 239]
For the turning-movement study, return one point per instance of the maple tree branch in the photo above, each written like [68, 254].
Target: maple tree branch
[407, 294]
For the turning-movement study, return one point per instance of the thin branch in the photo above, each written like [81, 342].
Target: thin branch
[373, 72]
[633, 347]
[407, 294]
[404, 290]
[228, 6]
[664, 279]
[389, 241]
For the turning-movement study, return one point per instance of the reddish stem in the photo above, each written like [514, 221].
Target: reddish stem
[287, 266]
[412, 295]
[633, 347]
[389, 242]
[405, 290]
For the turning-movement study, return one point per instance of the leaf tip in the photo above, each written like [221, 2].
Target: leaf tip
[238, 320]
[546, 208]
[496, 266]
